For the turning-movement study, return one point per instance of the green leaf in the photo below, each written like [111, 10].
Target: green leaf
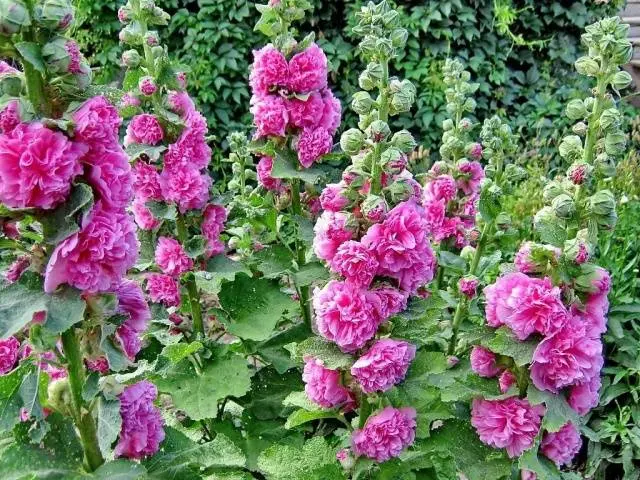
[300, 400]
[109, 423]
[253, 307]
[274, 261]
[195, 246]
[10, 398]
[273, 350]
[136, 150]
[65, 220]
[504, 342]
[32, 53]
[162, 210]
[198, 394]
[310, 273]
[451, 261]
[121, 470]
[118, 361]
[219, 268]
[332, 357]
[276, 461]
[301, 416]
[286, 166]
[179, 351]
[268, 391]
[64, 309]
[542, 467]
[558, 412]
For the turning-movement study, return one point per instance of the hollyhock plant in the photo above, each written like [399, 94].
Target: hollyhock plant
[483, 362]
[384, 365]
[562, 446]
[355, 262]
[171, 257]
[323, 387]
[8, 354]
[144, 129]
[163, 289]
[386, 434]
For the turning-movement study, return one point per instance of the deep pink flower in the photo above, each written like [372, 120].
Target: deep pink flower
[270, 115]
[171, 257]
[17, 268]
[308, 70]
[331, 231]
[331, 113]
[323, 386]
[147, 86]
[129, 100]
[163, 289]
[190, 150]
[384, 365]
[96, 257]
[143, 216]
[54, 372]
[185, 186]
[578, 173]
[97, 123]
[212, 225]
[312, 144]
[468, 286]
[75, 56]
[506, 381]
[144, 129]
[5, 68]
[8, 354]
[305, 113]
[132, 304]
[443, 187]
[391, 301]
[37, 166]
[511, 423]
[435, 211]
[10, 116]
[269, 71]
[346, 314]
[332, 199]
[562, 446]
[142, 425]
[110, 175]
[265, 165]
[146, 182]
[585, 396]
[472, 174]
[181, 103]
[355, 263]
[386, 434]
[100, 365]
[483, 362]
[568, 357]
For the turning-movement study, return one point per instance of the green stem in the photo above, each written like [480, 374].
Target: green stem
[35, 82]
[598, 107]
[190, 281]
[84, 420]
[303, 292]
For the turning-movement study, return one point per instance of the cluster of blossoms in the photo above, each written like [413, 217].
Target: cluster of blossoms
[566, 317]
[166, 138]
[373, 236]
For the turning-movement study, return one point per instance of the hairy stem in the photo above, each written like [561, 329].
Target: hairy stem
[383, 115]
[303, 291]
[190, 281]
[598, 107]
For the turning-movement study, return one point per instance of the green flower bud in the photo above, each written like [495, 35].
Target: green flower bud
[551, 191]
[61, 55]
[514, 173]
[131, 58]
[602, 203]
[587, 66]
[131, 34]
[374, 208]
[390, 18]
[447, 125]
[147, 5]
[352, 141]
[11, 84]
[362, 103]
[571, 147]
[378, 131]
[467, 253]
[59, 396]
[610, 119]
[365, 120]
[151, 38]
[403, 141]
[369, 45]
[54, 14]
[605, 165]
[399, 38]
[576, 110]
[563, 206]
[621, 80]
[469, 105]
[578, 249]
[157, 51]
[615, 143]
[371, 76]
[403, 95]
[14, 15]
[580, 129]
[391, 155]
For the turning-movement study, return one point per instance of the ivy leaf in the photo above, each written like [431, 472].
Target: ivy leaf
[198, 394]
[274, 261]
[329, 353]
[109, 423]
[253, 307]
[32, 53]
[504, 342]
[558, 412]
[65, 220]
[179, 351]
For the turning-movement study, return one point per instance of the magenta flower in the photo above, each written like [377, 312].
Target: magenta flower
[146, 182]
[99, 364]
[264, 167]
[110, 176]
[312, 144]
[308, 70]
[384, 365]
[17, 268]
[163, 289]
[10, 116]
[391, 301]
[562, 446]
[270, 116]
[142, 425]
[147, 86]
[585, 396]
[483, 362]
[143, 216]
[144, 129]
[434, 214]
[332, 198]
[471, 174]
[185, 186]
[506, 381]
[511, 423]
[323, 386]
[442, 187]
[331, 231]
[212, 226]
[269, 72]
[132, 304]
[191, 149]
[8, 354]
[331, 113]
[355, 263]
[75, 56]
[96, 257]
[97, 123]
[171, 257]
[37, 166]
[468, 286]
[304, 113]
[386, 434]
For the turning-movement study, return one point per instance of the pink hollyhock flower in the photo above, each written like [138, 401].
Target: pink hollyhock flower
[171, 257]
[331, 113]
[100, 365]
[391, 301]
[506, 381]
[468, 286]
[270, 116]
[131, 303]
[110, 175]
[163, 289]
[323, 387]
[475, 151]
[55, 373]
[355, 263]
[511, 423]
[143, 216]
[525, 304]
[96, 257]
[185, 186]
[308, 70]
[602, 282]
[386, 434]
[129, 100]
[97, 123]
[5, 68]
[568, 357]
[269, 72]
[37, 166]
[312, 144]
[528, 475]
[10, 117]
[144, 129]
[265, 165]
[583, 254]
[190, 150]
[142, 425]
[562, 446]
[585, 396]
[332, 199]
[304, 113]
[443, 187]
[331, 231]
[483, 362]
[8, 354]
[578, 173]
[471, 174]
[469, 210]
[346, 314]
[525, 261]
[17, 268]
[146, 182]
[74, 56]
[147, 86]
[434, 211]
[181, 103]
[212, 225]
[384, 365]
[401, 246]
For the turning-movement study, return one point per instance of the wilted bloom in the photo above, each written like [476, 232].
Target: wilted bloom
[483, 362]
[386, 434]
[171, 257]
[144, 129]
[355, 262]
[384, 365]
[331, 231]
[332, 198]
[511, 423]
[163, 289]
[142, 425]
[562, 446]
[8, 354]
[17, 268]
[323, 386]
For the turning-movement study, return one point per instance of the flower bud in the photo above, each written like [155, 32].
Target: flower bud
[578, 249]
[371, 76]
[403, 95]
[551, 191]
[384, 47]
[362, 103]
[469, 105]
[399, 38]
[468, 286]
[378, 131]
[621, 80]
[580, 129]
[62, 55]
[514, 173]
[345, 458]
[610, 119]
[615, 143]
[602, 203]
[157, 51]
[147, 5]
[11, 84]
[605, 165]
[465, 125]
[563, 206]
[578, 173]
[374, 208]
[131, 58]
[124, 15]
[576, 110]
[536, 257]
[151, 39]
[54, 14]
[545, 220]
[365, 120]
[14, 15]
[587, 66]
[571, 147]
[130, 35]
[467, 253]
[352, 141]
[391, 156]
[447, 125]
[147, 86]
[403, 141]
[59, 396]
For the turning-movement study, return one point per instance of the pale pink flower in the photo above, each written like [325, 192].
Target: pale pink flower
[270, 116]
[384, 365]
[562, 446]
[483, 362]
[313, 144]
[144, 129]
[385, 434]
[185, 186]
[471, 174]
[323, 386]
[331, 231]
[264, 167]
[269, 71]
[355, 263]
[332, 197]
[308, 70]
[171, 257]
[8, 354]
[163, 289]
